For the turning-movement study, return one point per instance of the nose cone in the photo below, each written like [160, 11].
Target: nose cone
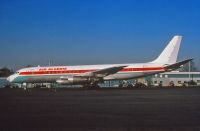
[11, 78]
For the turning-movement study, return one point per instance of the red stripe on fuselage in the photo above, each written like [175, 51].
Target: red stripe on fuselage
[54, 72]
[84, 71]
[142, 69]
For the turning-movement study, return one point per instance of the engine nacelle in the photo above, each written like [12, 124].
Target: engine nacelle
[72, 80]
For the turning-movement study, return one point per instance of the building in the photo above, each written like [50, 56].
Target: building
[176, 78]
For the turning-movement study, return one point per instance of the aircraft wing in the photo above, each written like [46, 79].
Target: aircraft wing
[177, 65]
[103, 72]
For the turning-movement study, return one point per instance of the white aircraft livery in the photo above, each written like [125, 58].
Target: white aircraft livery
[91, 75]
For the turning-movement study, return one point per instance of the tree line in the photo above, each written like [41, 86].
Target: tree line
[5, 72]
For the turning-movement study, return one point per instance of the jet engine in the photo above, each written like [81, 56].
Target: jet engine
[69, 80]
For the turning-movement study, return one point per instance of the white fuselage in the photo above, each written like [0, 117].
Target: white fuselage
[52, 73]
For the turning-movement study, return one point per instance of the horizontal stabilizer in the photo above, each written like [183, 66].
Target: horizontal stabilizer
[177, 65]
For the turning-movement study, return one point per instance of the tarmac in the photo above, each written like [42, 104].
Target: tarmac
[100, 110]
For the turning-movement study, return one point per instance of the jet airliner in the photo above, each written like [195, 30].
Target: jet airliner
[91, 75]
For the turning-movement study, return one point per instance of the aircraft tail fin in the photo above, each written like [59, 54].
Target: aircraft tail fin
[170, 53]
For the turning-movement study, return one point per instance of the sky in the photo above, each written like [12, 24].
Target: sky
[71, 32]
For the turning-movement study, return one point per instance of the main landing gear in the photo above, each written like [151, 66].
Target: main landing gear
[91, 86]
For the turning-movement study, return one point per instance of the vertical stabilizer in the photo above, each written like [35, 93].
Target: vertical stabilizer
[170, 53]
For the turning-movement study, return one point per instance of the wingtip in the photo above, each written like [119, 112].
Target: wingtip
[190, 59]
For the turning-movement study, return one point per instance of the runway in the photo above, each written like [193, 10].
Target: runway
[96, 110]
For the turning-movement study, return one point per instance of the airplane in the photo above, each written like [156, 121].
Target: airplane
[91, 75]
